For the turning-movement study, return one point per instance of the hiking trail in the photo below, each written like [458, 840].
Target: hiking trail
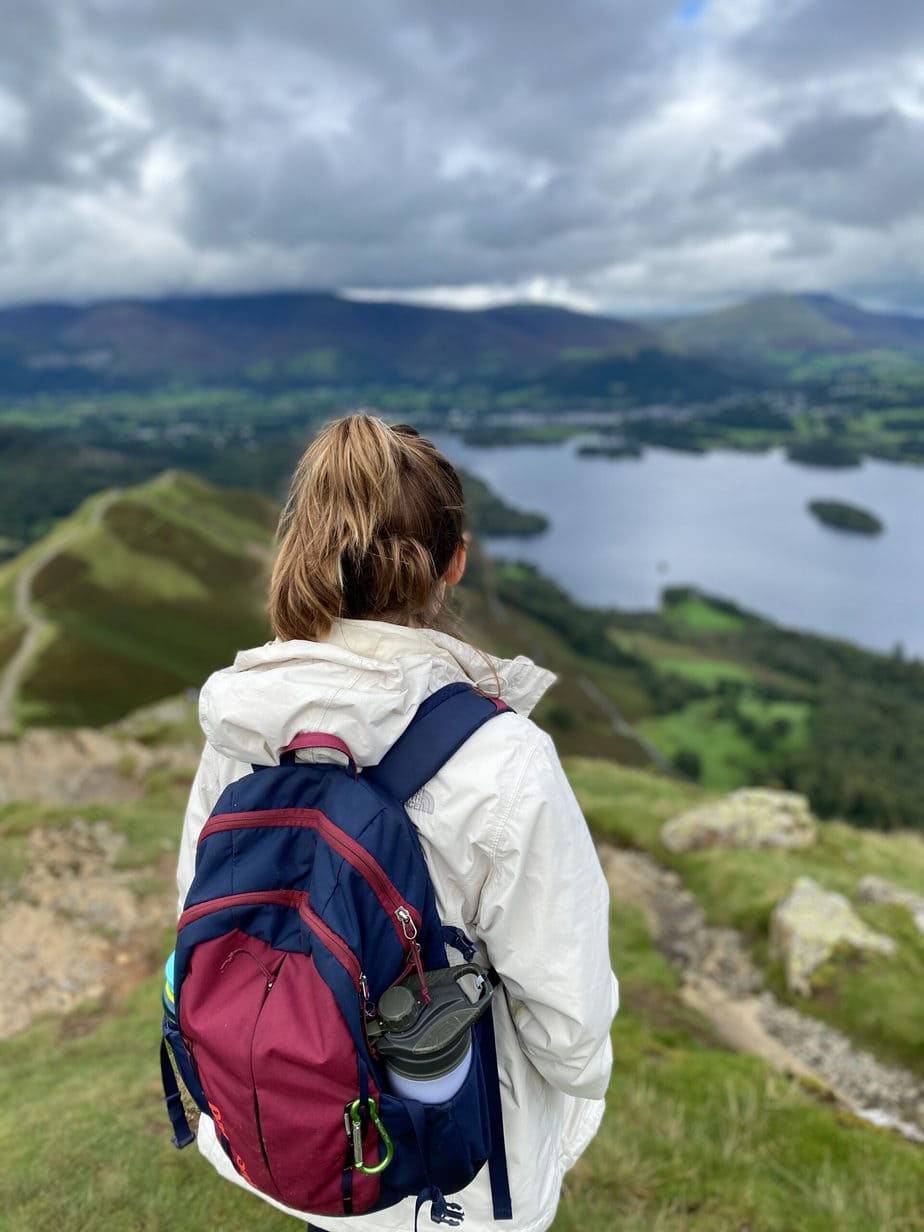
[720, 981]
[36, 625]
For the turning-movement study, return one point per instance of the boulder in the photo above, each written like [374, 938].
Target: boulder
[810, 925]
[878, 890]
[749, 817]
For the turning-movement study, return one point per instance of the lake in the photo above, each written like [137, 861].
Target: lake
[734, 524]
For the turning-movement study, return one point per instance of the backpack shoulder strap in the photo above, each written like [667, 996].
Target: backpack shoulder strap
[440, 727]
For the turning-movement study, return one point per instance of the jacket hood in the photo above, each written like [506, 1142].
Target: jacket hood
[363, 684]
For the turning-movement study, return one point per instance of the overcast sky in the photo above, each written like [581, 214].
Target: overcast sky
[621, 155]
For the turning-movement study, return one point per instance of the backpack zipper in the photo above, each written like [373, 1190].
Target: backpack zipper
[398, 911]
[296, 900]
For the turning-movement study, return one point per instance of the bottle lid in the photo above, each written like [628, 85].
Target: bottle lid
[424, 1041]
[397, 1008]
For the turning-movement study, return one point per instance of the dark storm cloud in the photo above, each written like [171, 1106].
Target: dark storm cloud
[624, 154]
[859, 170]
[831, 37]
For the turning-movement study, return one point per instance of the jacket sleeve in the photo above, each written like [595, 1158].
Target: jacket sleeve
[204, 792]
[544, 920]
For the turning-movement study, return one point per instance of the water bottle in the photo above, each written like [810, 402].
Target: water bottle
[167, 997]
[427, 1044]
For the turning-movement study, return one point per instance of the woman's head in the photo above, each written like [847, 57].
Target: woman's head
[373, 527]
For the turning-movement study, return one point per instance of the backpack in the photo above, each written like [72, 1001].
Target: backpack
[311, 897]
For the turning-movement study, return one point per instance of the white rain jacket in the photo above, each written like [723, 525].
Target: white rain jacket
[510, 857]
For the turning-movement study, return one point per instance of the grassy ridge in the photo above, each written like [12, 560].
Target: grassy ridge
[166, 585]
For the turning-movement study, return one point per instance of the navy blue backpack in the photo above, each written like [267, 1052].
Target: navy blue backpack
[311, 898]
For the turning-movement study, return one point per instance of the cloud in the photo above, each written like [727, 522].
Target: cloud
[608, 153]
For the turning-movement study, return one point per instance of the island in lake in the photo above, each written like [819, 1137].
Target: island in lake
[846, 517]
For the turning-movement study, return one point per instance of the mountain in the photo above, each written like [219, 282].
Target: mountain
[316, 340]
[781, 330]
[289, 338]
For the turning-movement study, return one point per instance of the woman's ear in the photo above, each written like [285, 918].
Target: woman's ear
[456, 567]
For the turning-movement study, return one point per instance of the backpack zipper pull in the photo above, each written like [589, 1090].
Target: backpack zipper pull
[410, 931]
[407, 923]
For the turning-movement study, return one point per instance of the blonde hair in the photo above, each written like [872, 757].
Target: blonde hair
[373, 519]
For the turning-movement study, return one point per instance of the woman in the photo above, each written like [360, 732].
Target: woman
[371, 539]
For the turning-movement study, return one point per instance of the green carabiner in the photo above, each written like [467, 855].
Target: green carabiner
[355, 1129]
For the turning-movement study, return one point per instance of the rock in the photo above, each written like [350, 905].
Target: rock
[810, 924]
[73, 920]
[82, 765]
[750, 817]
[878, 890]
[51, 963]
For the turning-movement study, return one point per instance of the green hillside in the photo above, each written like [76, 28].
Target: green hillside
[739, 888]
[140, 593]
[807, 337]
[720, 695]
[145, 590]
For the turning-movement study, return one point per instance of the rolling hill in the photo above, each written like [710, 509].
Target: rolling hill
[133, 597]
[792, 331]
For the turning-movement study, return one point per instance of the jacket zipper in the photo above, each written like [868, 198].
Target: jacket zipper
[405, 920]
[296, 900]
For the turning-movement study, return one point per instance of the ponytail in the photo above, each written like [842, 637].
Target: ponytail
[373, 518]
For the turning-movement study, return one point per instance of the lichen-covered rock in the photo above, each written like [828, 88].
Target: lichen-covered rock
[750, 817]
[878, 890]
[810, 924]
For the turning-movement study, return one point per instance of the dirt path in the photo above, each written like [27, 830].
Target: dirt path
[621, 726]
[36, 625]
[723, 984]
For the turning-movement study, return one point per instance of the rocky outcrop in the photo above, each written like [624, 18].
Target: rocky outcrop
[878, 890]
[810, 925]
[82, 765]
[751, 817]
[75, 926]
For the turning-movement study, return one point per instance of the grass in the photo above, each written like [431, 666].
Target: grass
[878, 1001]
[695, 1137]
[732, 753]
[724, 752]
[702, 617]
[728, 755]
[707, 672]
[139, 602]
[11, 636]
